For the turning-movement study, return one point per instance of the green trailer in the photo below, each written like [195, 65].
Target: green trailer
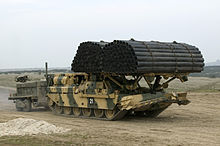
[30, 94]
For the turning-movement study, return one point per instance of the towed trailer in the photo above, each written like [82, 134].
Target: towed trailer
[30, 94]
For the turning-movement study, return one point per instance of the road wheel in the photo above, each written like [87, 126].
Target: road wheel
[87, 112]
[109, 114]
[67, 110]
[77, 111]
[51, 104]
[99, 113]
[27, 105]
[58, 109]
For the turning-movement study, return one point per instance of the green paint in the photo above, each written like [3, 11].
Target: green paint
[70, 96]
[149, 96]
[110, 103]
[92, 103]
[61, 103]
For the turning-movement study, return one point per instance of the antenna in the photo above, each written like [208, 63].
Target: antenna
[46, 70]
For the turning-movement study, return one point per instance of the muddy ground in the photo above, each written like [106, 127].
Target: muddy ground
[195, 124]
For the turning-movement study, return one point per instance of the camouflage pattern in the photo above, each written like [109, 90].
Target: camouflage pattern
[88, 94]
[143, 102]
[109, 93]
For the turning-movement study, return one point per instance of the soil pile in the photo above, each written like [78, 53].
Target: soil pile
[24, 126]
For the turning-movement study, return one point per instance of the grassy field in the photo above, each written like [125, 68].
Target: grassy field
[8, 80]
[206, 81]
[194, 84]
[209, 71]
[198, 84]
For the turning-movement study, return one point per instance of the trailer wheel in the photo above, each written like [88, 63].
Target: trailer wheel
[27, 107]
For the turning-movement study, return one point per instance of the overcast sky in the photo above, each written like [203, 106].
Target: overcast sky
[35, 31]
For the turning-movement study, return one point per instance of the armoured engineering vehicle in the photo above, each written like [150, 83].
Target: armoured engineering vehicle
[114, 79]
[111, 97]
[111, 80]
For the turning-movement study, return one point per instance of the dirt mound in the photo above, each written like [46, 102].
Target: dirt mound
[24, 126]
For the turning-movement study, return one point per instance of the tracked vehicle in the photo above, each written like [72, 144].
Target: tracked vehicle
[124, 77]
[109, 96]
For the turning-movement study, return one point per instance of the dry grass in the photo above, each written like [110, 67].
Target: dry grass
[8, 80]
[198, 84]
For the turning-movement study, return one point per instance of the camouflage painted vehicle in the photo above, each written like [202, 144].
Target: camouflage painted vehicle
[31, 93]
[123, 77]
[111, 96]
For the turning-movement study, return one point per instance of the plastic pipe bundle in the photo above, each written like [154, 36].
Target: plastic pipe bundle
[137, 57]
[88, 57]
[151, 57]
